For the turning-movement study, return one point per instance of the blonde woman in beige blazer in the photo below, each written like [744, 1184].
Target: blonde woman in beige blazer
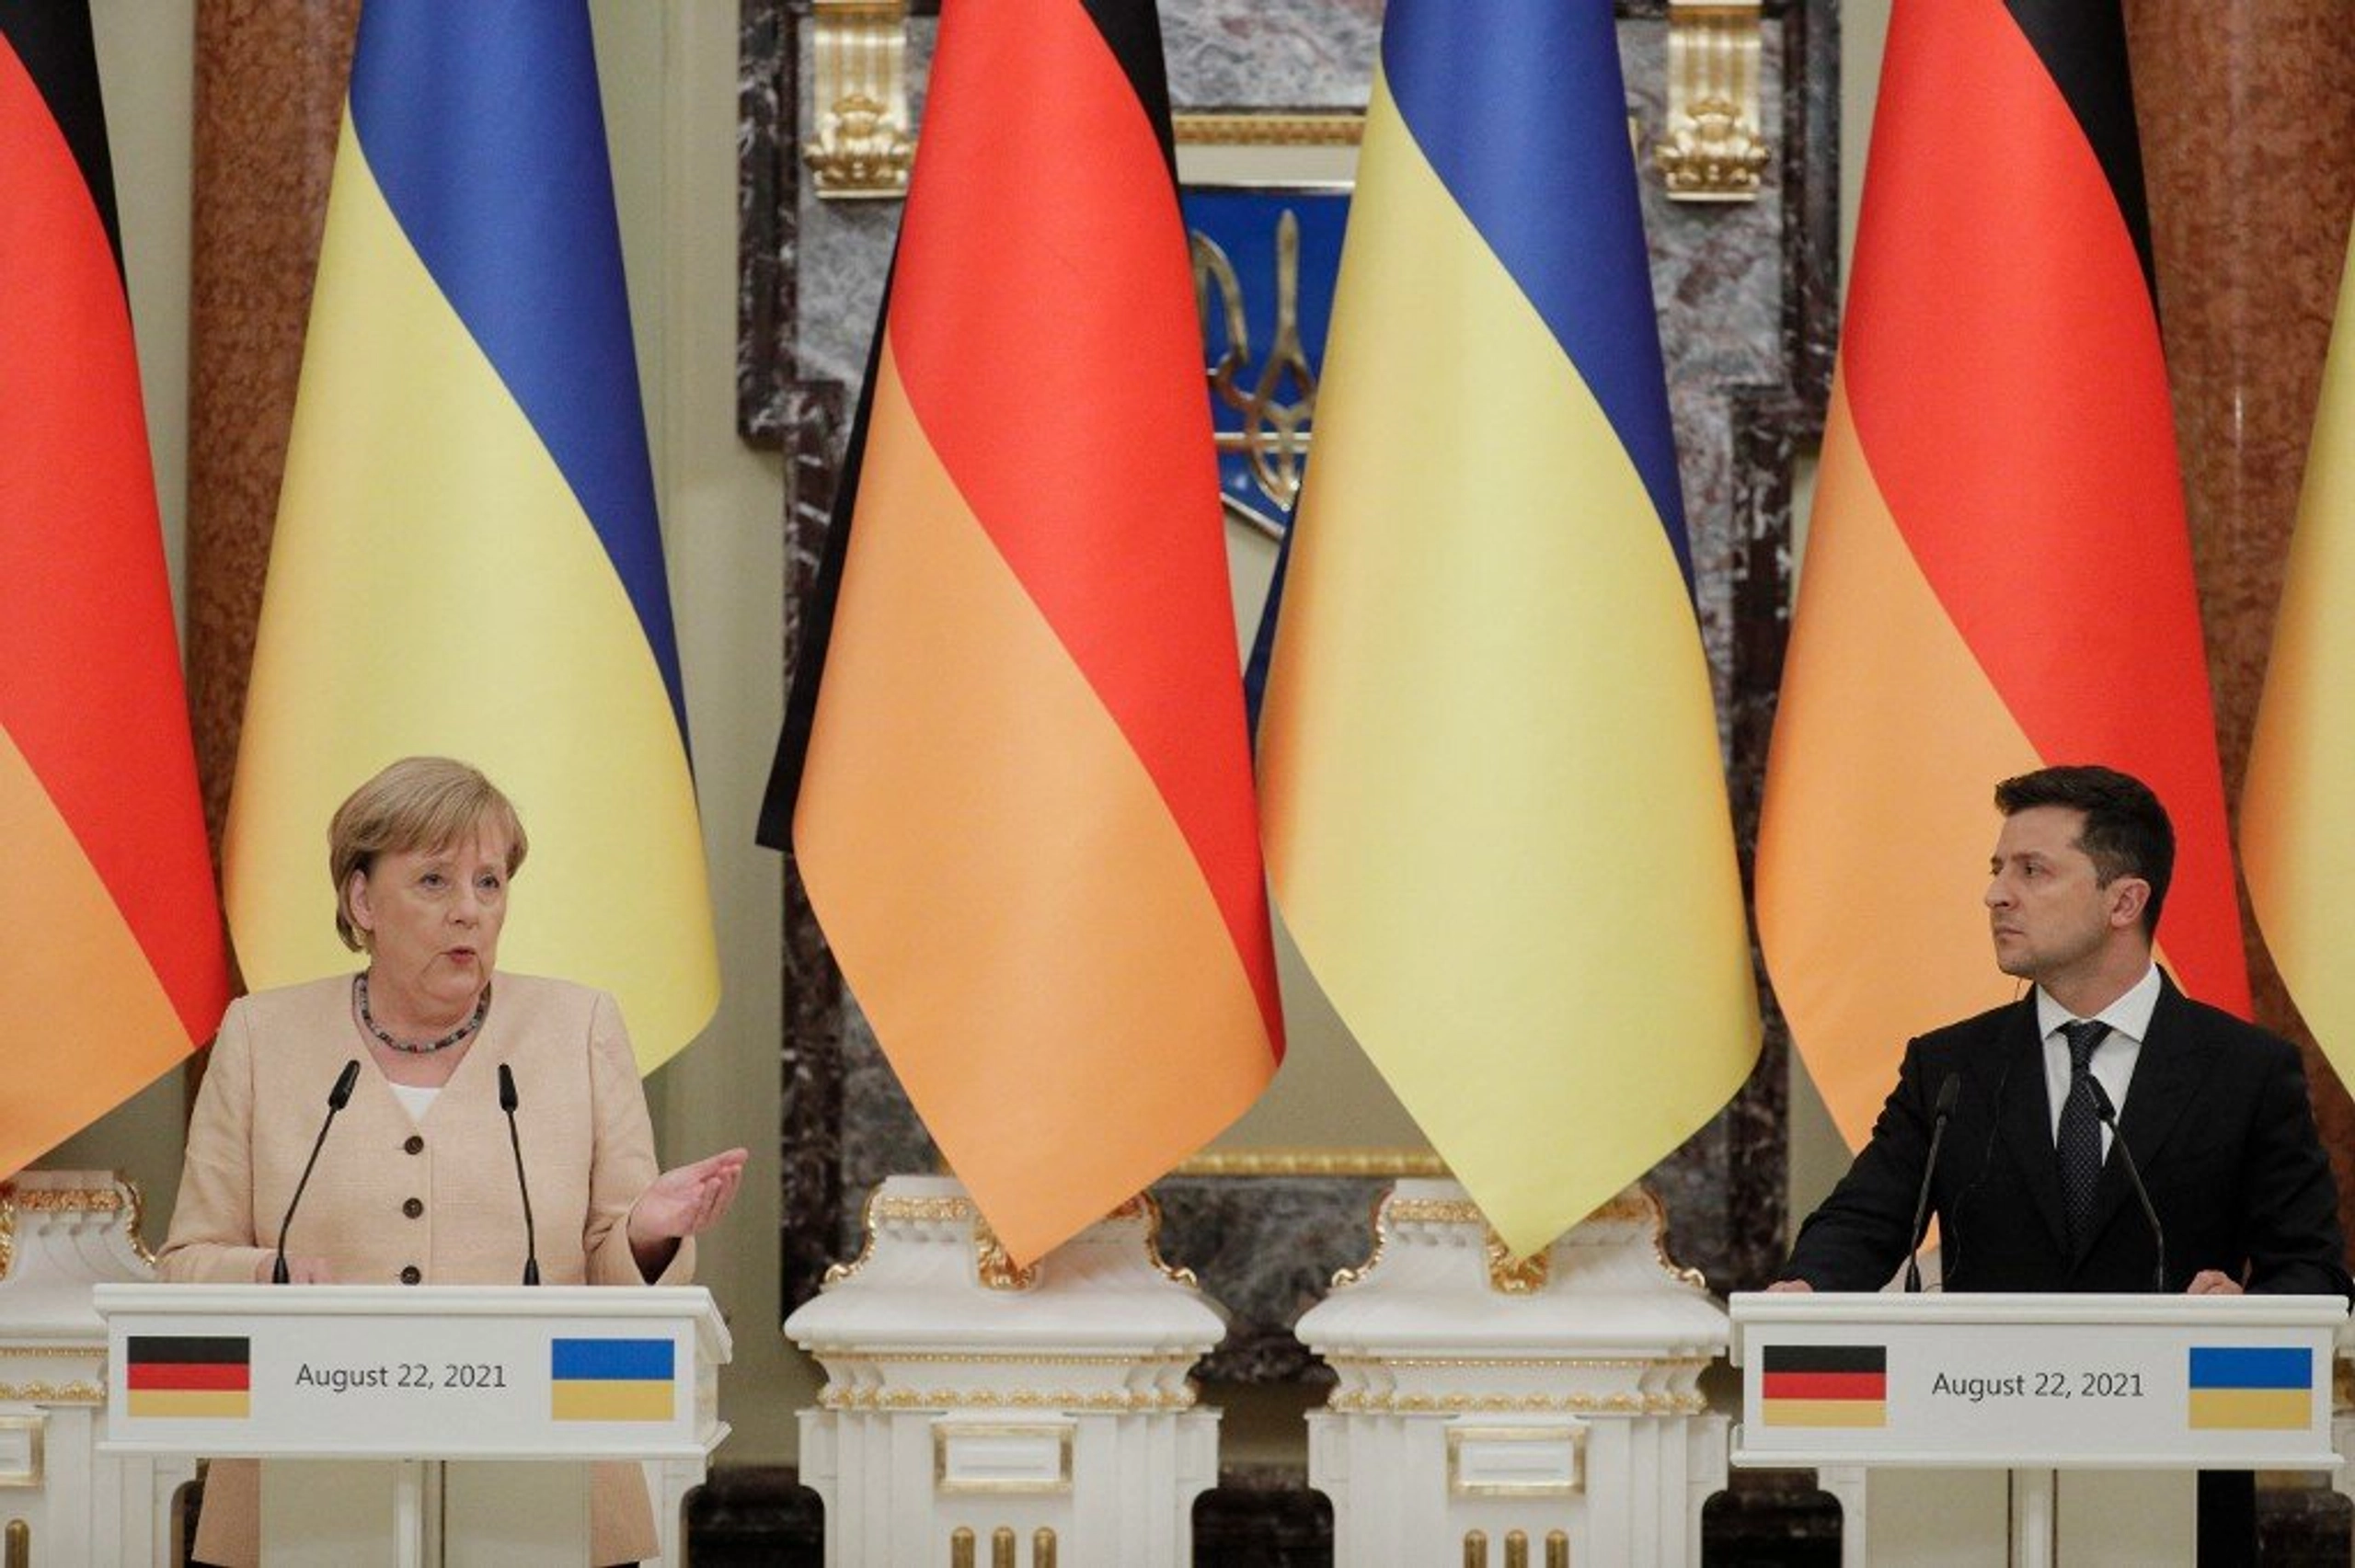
[417, 1183]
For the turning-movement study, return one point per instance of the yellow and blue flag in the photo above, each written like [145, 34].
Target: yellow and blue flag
[2251, 1387]
[467, 560]
[611, 1379]
[2297, 839]
[1495, 804]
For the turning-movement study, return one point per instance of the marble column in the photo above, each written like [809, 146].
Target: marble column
[2249, 139]
[270, 86]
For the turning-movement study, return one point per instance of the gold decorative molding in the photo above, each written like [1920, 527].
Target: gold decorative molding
[984, 1357]
[862, 147]
[1371, 1401]
[63, 1200]
[885, 1211]
[1510, 1275]
[119, 1196]
[1635, 1205]
[1123, 1401]
[995, 1265]
[1524, 1363]
[52, 1393]
[1143, 1207]
[1367, 1162]
[1712, 148]
[1339, 128]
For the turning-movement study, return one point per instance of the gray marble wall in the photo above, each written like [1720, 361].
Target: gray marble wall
[1746, 292]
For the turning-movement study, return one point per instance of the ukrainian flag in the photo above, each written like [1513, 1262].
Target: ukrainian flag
[611, 1379]
[1494, 807]
[467, 560]
[2251, 1387]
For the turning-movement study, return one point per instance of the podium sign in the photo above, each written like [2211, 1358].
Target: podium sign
[2107, 1383]
[402, 1372]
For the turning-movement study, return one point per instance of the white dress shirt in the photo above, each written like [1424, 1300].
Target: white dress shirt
[2114, 1056]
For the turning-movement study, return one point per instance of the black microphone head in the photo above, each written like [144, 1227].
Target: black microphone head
[346, 1082]
[507, 1100]
[2102, 1105]
[1949, 1093]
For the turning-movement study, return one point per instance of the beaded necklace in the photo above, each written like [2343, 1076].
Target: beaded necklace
[359, 1000]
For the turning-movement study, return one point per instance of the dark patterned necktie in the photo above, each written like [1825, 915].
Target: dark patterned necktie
[2079, 1145]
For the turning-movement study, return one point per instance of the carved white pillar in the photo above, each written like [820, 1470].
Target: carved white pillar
[60, 1233]
[975, 1413]
[1540, 1412]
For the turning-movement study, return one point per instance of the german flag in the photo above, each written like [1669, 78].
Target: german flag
[1014, 763]
[1998, 571]
[1824, 1385]
[111, 962]
[189, 1376]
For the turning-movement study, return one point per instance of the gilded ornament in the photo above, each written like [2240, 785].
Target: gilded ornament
[1304, 1161]
[918, 1210]
[53, 1394]
[1143, 1207]
[1510, 1275]
[996, 1267]
[1713, 149]
[1211, 129]
[1121, 1401]
[862, 147]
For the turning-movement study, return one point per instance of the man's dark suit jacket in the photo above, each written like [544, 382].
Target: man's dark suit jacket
[2217, 1117]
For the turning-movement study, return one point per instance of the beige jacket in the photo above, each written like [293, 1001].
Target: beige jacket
[588, 1148]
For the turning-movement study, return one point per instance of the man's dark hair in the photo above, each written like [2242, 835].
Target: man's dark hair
[2126, 834]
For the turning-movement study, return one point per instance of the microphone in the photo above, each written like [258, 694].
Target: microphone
[1948, 1093]
[2108, 1115]
[507, 1102]
[338, 1097]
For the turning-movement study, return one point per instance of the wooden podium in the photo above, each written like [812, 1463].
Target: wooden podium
[403, 1425]
[2128, 1395]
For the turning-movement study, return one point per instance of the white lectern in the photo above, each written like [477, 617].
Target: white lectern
[2025, 1385]
[405, 1426]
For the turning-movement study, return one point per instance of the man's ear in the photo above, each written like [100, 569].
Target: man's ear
[2128, 896]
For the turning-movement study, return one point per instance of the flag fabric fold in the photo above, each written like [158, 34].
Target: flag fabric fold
[467, 559]
[111, 962]
[1496, 810]
[1014, 764]
[1998, 570]
[2297, 841]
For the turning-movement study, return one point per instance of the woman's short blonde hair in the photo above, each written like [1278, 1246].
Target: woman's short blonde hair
[419, 803]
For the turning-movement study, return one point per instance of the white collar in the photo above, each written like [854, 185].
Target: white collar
[2129, 1015]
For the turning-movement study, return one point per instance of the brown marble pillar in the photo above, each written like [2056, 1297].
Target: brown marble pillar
[2247, 112]
[270, 86]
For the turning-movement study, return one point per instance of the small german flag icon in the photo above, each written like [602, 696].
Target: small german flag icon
[185, 1376]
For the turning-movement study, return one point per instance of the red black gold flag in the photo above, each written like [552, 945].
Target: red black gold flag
[1014, 763]
[111, 962]
[1998, 570]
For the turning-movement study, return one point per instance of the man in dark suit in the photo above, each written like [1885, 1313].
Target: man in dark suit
[2215, 1112]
